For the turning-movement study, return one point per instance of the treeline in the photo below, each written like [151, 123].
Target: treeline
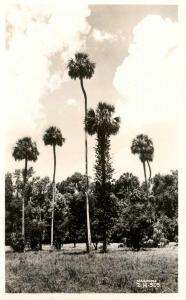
[130, 218]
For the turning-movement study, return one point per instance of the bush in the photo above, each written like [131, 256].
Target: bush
[159, 234]
[57, 243]
[163, 242]
[17, 242]
[34, 232]
[34, 243]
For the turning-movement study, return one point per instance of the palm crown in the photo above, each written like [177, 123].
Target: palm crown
[102, 120]
[81, 66]
[53, 137]
[143, 146]
[25, 149]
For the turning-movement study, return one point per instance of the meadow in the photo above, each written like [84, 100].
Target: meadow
[71, 270]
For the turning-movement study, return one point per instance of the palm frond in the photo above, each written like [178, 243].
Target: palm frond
[143, 146]
[80, 67]
[53, 136]
[25, 148]
[90, 122]
[102, 121]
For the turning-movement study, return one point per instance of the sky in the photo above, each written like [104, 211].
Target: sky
[135, 48]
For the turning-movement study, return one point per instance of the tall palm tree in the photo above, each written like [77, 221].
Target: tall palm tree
[25, 149]
[54, 138]
[143, 146]
[102, 123]
[82, 68]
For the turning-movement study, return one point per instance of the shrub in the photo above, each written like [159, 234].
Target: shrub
[17, 242]
[35, 234]
[163, 242]
[159, 236]
[34, 243]
[57, 243]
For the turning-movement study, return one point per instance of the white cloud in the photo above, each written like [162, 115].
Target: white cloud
[34, 32]
[54, 82]
[148, 78]
[72, 102]
[101, 36]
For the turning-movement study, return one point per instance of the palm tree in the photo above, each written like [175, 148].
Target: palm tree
[25, 149]
[54, 138]
[82, 68]
[143, 146]
[102, 123]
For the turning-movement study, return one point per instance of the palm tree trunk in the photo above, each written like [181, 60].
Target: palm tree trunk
[23, 216]
[102, 142]
[53, 198]
[23, 199]
[150, 173]
[86, 172]
[147, 190]
[54, 153]
[40, 233]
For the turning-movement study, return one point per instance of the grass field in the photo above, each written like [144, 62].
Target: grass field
[73, 271]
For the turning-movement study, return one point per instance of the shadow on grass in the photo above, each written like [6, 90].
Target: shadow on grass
[74, 253]
[96, 252]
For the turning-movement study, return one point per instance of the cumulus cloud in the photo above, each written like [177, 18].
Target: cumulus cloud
[148, 78]
[101, 36]
[35, 31]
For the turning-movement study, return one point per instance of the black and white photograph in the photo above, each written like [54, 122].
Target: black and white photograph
[91, 148]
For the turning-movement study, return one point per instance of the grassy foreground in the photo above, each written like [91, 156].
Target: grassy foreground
[74, 271]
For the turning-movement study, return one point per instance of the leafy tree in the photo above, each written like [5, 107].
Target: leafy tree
[25, 149]
[73, 184]
[38, 209]
[164, 230]
[125, 185]
[165, 191]
[73, 189]
[102, 123]
[20, 191]
[17, 242]
[11, 220]
[76, 216]
[53, 137]
[134, 222]
[143, 146]
[82, 68]
[61, 220]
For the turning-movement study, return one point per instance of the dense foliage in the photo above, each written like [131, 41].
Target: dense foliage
[129, 217]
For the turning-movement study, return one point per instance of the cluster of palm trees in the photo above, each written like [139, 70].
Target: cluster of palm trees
[82, 68]
[26, 149]
[100, 122]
